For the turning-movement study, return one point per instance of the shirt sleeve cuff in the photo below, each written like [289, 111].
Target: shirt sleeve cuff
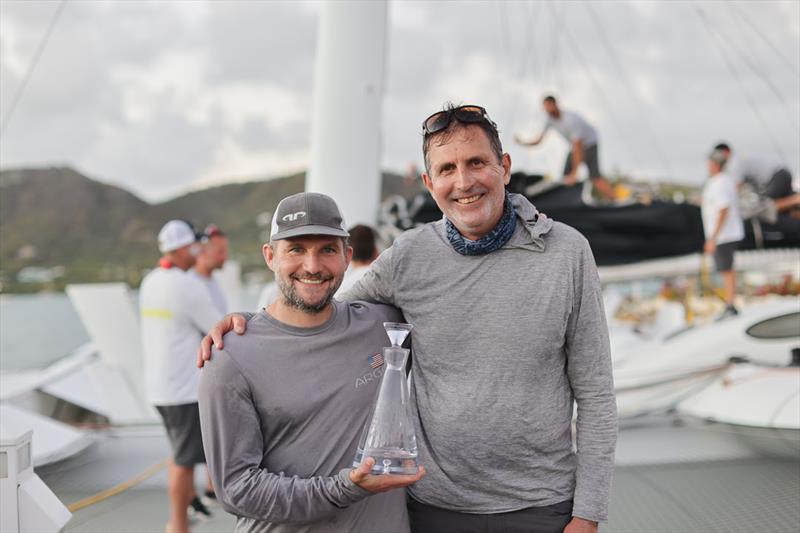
[352, 492]
[588, 515]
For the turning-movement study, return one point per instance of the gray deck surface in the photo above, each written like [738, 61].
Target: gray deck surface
[669, 478]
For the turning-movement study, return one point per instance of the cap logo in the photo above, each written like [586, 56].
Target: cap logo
[291, 217]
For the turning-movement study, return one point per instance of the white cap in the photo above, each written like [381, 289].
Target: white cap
[175, 234]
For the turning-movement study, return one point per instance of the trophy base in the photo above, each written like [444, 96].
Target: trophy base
[389, 461]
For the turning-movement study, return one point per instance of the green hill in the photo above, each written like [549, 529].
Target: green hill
[88, 231]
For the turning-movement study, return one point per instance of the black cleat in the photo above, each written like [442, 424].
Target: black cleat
[729, 312]
[209, 498]
[198, 511]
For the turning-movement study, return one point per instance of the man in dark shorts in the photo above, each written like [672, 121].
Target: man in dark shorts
[583, 141]
[175, 308]
[723, 225]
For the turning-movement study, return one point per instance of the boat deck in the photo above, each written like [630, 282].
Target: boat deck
[669, 477]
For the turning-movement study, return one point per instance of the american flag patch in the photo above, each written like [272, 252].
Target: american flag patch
[375, 360]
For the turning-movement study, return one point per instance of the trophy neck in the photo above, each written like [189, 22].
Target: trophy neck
[397, 332]
[395, 357]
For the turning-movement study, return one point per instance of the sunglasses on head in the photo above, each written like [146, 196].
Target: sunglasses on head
[467, 114]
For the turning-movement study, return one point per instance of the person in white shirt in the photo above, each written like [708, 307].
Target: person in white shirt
[212, 257]
[723, 225]
[174, 315]
[362, 239]
[583, 145]
[769, 177]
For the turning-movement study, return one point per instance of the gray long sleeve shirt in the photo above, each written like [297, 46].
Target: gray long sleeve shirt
[282, 410]
[504, 343]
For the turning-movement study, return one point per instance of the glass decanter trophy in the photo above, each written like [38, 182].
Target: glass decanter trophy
[388, 435]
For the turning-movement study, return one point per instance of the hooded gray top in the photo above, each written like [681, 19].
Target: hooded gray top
[503, 345]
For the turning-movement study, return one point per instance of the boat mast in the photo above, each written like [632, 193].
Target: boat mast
[348, 92]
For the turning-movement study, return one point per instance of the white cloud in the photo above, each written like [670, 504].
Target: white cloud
[232, 162]
[13, 59]
[276, 106]
[408, 15]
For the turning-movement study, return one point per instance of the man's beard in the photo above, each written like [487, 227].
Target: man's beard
[293, 299]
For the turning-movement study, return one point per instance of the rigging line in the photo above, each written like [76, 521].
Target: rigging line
[533, 57]
[748, 97]
[505, 44]
[505, 29]
[627, 82]
[763, 37]
[759, 73]
[598, 86]
[556, 33]
[34, 61]
[524, 65]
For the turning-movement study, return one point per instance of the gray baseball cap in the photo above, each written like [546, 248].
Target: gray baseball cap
[307, 213]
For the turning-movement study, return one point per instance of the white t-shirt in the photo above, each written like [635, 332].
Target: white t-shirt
[176, 310]
[719, 193]
[758, 169]
[573, 127]
[214, 288]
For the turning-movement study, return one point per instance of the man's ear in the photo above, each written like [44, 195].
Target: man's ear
[426, 179]
[269, 255]
[348, 255]
[506, 162]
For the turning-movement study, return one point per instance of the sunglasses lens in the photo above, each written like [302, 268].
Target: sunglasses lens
[470, 114]
[437, 122]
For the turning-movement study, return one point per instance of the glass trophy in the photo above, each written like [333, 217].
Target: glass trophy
[388, 435]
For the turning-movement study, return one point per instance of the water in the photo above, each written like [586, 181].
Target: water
[37, 329]
[389, 461]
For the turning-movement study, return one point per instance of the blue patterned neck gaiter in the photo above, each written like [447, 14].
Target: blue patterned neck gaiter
[490, 242]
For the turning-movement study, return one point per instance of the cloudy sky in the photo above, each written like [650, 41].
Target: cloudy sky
[161, 97]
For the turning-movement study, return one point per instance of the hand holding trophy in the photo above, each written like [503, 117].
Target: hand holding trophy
[388, 435]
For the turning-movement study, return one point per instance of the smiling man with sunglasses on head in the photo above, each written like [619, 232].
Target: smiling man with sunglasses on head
[509, 334]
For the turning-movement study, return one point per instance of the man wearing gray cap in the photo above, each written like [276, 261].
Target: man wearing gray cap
[278, 405]
[174, 313]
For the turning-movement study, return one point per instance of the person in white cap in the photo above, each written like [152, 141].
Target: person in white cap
[175, 311]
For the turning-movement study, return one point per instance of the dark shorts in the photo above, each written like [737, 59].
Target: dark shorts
[723, 256]
[426, 518]
[590, 158]
[183, 429]
[779, 186]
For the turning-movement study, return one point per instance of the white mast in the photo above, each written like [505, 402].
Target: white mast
[348, 90]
